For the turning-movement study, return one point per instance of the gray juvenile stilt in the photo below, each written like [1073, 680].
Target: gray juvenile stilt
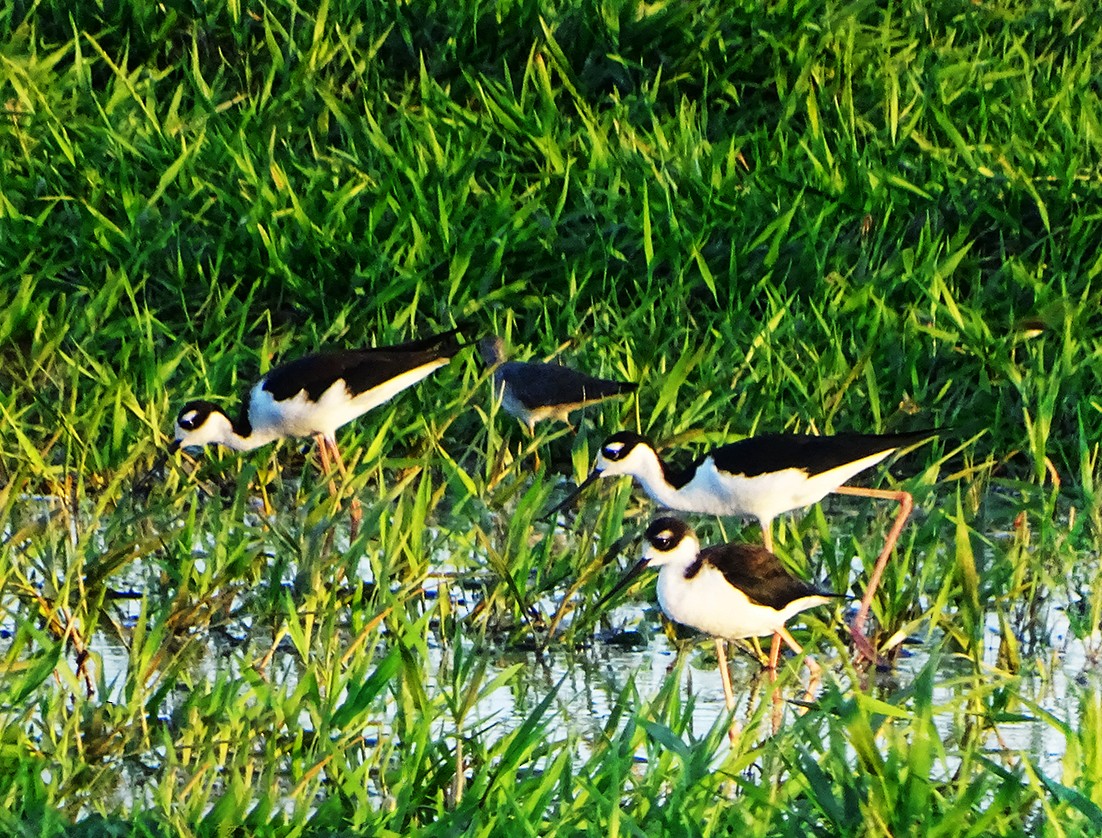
[533, 391]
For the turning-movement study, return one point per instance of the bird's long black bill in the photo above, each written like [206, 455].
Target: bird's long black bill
[141, 485]
[569, 499]
[626, 580]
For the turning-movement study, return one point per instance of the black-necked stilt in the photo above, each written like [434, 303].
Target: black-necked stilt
[533, 391]
[314, 396]
[728, 591]
[763, 477]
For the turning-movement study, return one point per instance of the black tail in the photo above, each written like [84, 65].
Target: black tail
[604, 388]
[446, 344]
[905, 439]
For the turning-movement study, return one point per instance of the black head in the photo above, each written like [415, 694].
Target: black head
[615, 449]
[195, 413]
[202, 423]
[191, 418]
[665, 534]
[622, 443]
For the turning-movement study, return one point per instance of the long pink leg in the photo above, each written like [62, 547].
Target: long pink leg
[814, 671]
[767, 535]
[778, 704]
[326, 463]
[531, 425]
[728, 691]
[355, 511]
[325, 452]
[767, 542]
[774, 654]
[906, 504]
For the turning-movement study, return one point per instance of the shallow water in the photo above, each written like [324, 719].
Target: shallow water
[594, 679]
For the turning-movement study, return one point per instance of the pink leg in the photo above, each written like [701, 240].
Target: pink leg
[767, 536]
[728, 691]
[767, 542]
[778, 703]
[774, 654]
[814, 671]
[906, 504]
[355, 511]
[326, 463]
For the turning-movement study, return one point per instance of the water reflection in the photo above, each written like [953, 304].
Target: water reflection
[594, 679]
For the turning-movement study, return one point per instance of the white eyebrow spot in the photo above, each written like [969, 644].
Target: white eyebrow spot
[615, 448]
[189, 417]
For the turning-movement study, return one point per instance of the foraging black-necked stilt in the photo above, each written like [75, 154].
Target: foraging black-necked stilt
[313, 396]
[534, 391]
[729, 591]
[763, 477]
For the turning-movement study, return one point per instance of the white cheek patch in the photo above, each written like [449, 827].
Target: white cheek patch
[188, 417]
[613, 450]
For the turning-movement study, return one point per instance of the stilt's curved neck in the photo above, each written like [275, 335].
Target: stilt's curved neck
[655, 477]
[244, 437]
[241, 442]
[240, 435]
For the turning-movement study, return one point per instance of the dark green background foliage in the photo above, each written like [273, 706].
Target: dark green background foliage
[907, 183]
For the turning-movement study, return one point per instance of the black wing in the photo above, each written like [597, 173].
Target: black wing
[757, 573]
[361, 369]
[813, 454]
[549, 385]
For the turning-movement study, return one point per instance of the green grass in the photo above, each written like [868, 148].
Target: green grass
[868, 216]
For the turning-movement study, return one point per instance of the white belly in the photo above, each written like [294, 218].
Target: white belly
[709, 603]
[764, 496]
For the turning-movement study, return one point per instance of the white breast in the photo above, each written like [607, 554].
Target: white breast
[709, 603]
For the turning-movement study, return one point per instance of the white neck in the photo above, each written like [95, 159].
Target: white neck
[219, 430]
[256, 439]
[654, 483]
[643, 464]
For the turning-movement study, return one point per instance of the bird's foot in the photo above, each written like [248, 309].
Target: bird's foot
[866, 651]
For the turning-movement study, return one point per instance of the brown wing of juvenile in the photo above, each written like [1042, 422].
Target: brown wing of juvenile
[757, 573]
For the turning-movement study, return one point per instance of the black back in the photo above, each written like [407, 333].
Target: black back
[361, 369]
[549, 385]
[756, 572]
[812, 454]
